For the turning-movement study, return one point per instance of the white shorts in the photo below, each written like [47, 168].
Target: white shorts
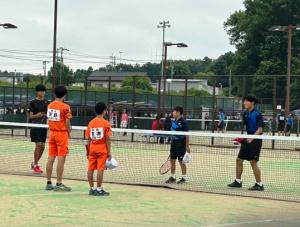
[123, 124]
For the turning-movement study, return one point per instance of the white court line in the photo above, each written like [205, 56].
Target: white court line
[239, 223]
[52, 193]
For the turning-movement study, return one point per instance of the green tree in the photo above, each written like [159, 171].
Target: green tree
[143, 83]
[260, 51]
[81, 74]
[63, 73]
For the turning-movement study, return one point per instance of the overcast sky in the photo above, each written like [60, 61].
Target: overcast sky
[103, 28]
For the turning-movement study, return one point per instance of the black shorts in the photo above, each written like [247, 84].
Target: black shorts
[38, 135]
[281, 127]
[250, 151]
[178, 149]
[221, 125]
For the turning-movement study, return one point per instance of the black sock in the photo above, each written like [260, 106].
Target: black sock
[58, 184]
[49, 182]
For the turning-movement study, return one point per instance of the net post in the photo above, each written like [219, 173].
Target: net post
[27, 94]
[213, 109]
[185, 96]
[274, 109]
[158, 96]
[133, 105]
[85, 102]
[13, 101]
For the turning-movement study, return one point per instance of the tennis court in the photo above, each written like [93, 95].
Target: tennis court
[134, 203]
[25, 203]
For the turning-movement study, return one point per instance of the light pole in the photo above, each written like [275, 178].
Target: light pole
[8, 26]
[54, 78]
[288, 29]
[166, 45]
[163, 25]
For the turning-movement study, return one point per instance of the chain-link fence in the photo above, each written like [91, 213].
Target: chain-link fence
[145, 99]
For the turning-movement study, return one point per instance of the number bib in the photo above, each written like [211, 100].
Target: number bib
[53, 115]
[96, 133]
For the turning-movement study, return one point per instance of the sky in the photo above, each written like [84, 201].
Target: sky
[94, 30]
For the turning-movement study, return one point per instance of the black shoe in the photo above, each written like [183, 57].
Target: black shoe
[171, 180]
[92, 192]
[257, 187]
[101, 193]
[181, 181]
[235, 184]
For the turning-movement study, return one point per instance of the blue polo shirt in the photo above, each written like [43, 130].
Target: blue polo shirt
[290, 121]
[179, 125]
[252, 120]
[221, 117]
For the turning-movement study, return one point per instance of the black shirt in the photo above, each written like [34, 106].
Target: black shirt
[36, 106]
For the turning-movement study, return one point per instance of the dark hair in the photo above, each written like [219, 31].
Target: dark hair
[60, 91]
[178, 109]
[40, 87]
[251, 98]
[100, 108]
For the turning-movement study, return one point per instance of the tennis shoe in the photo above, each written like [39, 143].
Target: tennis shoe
[171, 180]
[181, 181]
[257, 187]
[37, 170]
[62, 187]
[235, 184]
[101, 193]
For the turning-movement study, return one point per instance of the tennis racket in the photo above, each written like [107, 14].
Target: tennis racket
[165, 167]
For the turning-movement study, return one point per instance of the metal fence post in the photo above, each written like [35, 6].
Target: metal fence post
[213, 109]
[274, 109]
[185, 96]
[133, 105]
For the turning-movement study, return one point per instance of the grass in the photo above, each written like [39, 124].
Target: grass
[25, 203]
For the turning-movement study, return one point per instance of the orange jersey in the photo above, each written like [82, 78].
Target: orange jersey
[97, 133]
[57, 114]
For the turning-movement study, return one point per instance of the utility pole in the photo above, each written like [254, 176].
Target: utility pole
[120, 52]
[45, 71]
[61, 49]
[163, 25]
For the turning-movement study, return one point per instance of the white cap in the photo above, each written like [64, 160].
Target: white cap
[111, 164]
[186, 158]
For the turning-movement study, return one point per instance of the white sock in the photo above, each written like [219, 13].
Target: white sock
[238, 180]
[259, 183]
[99, 189]
[173, 175]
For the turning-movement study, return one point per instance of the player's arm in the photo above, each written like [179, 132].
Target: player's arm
[187, 139]
[87, 142]
[35, 116]
[108, 146]
[69, 127]
[108, 134]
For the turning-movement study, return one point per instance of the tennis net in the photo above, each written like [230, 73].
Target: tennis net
[140, 154]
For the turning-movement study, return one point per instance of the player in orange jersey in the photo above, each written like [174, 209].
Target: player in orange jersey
[59, 115]
[98, 149]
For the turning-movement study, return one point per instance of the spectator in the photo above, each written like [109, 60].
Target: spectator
[281, 120]
[221, 122]
[289, 125]
[206, 123]
[167, 126]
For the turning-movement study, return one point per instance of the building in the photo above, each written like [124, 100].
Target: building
[179, 85]
[101, 79]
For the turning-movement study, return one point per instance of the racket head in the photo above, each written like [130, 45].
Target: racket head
[165, 167]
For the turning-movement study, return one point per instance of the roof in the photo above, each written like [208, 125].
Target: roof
[115, 76]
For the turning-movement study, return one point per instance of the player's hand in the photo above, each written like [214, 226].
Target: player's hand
[249, 140]
[39, 114]
[188, 150]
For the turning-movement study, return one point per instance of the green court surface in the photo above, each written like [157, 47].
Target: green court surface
[211, 169]
[25, 203]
